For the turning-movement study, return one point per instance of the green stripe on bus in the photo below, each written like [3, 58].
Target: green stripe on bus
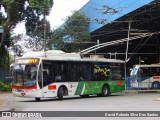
[95, 87]
[79, 88]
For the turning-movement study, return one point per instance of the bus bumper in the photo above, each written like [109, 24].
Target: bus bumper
[31, 94]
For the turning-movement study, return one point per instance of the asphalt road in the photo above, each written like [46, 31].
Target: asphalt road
[115, 102]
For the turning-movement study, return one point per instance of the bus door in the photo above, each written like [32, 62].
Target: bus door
[47, 75]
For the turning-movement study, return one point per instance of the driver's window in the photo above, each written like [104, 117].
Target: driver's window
[48, 72]
[40, 77]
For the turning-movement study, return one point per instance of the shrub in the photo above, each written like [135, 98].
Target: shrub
[5, 87]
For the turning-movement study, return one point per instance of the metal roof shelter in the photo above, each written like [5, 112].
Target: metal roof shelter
[142, 20]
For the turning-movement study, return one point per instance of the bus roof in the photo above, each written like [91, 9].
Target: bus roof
[62, 56]
[149, 65]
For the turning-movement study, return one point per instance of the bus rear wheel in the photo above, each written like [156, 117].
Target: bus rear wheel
[60, 93]
[105, 90]
[155, 85]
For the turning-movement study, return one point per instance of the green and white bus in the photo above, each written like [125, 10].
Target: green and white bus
[58, 74]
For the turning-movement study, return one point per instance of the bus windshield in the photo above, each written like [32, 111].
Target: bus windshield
[133, 72]
[25, 74]
[145, 70]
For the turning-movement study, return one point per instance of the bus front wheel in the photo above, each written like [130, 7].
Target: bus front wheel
[60, 93]
[155, 85]
[105, 90]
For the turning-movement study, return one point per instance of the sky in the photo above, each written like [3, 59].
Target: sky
[60, 10]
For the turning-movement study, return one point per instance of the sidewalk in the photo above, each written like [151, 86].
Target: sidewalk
[4, 101]
[7, 102]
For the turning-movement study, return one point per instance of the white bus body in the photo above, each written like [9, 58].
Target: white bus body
[145, 76]
[35, 73]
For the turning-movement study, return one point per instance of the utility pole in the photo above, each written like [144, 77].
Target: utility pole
[126, 59]
[45, 26]
[129, 30]
[98, 47]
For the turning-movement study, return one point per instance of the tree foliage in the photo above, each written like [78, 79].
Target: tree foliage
[16, 11]
[71, 36]
[23, 43]
[77, 27]
[44, 6]
[35, 41]
[5, 59]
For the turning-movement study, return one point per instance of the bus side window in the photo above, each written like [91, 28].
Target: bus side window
[84, 72]
[58, 77]
[158, 73]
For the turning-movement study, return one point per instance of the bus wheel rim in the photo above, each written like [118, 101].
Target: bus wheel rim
[105, 90]
[155, 85]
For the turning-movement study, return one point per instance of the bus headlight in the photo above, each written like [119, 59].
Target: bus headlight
[33, 90]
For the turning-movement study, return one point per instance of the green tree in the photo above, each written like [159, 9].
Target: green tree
[73, 35]
[56, 41]
[16, 11]
[35, 41]
[44, 6]
[76, 26]
[37, 9]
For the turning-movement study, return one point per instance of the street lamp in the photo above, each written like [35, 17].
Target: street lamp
[45, 26]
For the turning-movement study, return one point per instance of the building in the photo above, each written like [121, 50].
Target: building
[112, 20]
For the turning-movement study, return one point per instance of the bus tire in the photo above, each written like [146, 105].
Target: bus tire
[105, 90]
[155, 85]
[60, 93]
[37, 99]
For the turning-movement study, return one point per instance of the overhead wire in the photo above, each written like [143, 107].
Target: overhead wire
[91, 18]
[139, 47]
[134, 16]
[76, 3]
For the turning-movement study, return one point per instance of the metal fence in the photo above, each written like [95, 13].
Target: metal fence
[4, 77]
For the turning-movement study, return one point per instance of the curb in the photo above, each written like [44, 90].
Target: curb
[141, 91]
[4, 102]
[5, 109]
